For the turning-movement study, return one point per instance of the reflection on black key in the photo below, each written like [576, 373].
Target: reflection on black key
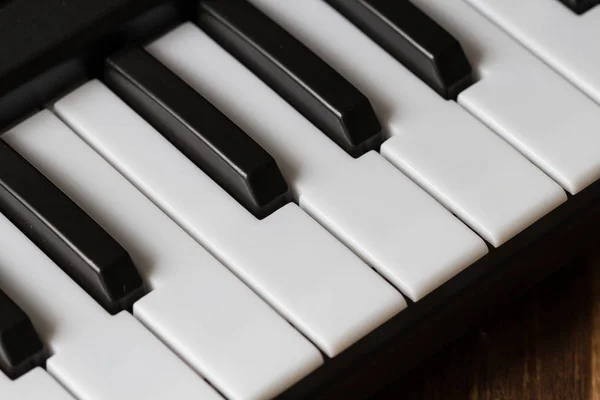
[414, 39]
[199, 130]
[66, 234]
[580, 6]
[20, 347]
[298, 75]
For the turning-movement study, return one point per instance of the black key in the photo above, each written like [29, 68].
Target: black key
[580, 6]
[20, 347]
[199, 130]
[67, 234]
[414, 39]
[304, 80]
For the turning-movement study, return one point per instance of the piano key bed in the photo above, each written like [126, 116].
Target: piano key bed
[296, 199]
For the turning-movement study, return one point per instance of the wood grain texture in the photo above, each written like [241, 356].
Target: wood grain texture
[545, 346]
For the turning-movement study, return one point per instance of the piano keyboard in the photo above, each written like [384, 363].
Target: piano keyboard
[250, 199]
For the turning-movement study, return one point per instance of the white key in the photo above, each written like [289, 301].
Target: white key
[439, 145]
[386, 219]
[122, 360]
[293, 263]
[34, 385]
[95, 355]
[564, 40]
[196, 304]
[532, 107]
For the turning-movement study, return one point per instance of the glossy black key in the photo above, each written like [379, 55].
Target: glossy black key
[199, 130]
[20, 347]
[580, 6]
[67, 234]
[291, 69]
[414, 39]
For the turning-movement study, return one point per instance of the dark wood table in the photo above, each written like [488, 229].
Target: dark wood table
[544, 346]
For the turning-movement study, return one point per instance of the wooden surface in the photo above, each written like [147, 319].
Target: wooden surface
[544, 346]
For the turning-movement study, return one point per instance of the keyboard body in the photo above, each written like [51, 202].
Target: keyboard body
[57, 45]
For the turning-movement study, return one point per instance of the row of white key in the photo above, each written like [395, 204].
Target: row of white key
[439, 145]
[197, 307]
[234, 339]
